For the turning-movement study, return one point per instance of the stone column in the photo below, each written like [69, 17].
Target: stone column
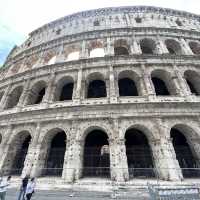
[135, 47]
[49, 90]
[24, 94]
[186, 47]
[164, 155]
[29, 158]
[184, 88]
[148, 85]
[84, 50]
[60, 57]
[5, 97]
[109, 51]
[113, 93]
[162, 47]
[37, 148]
[118, 160]
[77, 95]
[4, 147]
[72, 169]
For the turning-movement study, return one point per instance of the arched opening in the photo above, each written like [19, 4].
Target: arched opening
[121, 51]
[73, 56]
[195, 47]
[52, 61]
[64, 89]
[160, 87]
[193, 80]
[121, 48]
[173, 47]
[96, 155]
[13, 98]
[127, 87]
[67, 91]
[148, 46]
[184, 154]
[163, 82]
[97, 52]
[96, 89]
[139, 155]
[20, 156]
[37, 93]
[55, 155]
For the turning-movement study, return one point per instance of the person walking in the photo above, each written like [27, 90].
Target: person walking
[23, 188]
[3, 187]
[30, 189]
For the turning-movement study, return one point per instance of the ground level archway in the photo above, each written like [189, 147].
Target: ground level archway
[96, 155]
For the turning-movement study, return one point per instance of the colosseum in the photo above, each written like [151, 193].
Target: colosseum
[111, 93]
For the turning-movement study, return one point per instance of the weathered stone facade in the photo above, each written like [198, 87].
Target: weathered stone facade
[138, 43]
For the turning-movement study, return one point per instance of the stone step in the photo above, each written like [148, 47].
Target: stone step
[80, 195]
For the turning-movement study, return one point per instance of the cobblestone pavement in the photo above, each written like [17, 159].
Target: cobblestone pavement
[67, 195]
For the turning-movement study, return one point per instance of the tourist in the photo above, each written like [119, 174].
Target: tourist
[30, 189]
[23, 188]
[3, 187]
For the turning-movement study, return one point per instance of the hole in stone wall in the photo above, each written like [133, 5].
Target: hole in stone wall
[96, 155]
[139, 155]
[55, 157]
[18, 163]
[96, 89]
[127, 87]
[160, 86]
[184, 155]
[67, 92]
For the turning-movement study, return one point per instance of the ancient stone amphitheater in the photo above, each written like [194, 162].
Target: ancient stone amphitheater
[111, 93]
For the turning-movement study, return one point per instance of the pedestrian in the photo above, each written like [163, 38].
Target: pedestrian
[3, 187]
[23, 188]
[30, 189]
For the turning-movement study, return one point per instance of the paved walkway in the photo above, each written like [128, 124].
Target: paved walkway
[86, 195]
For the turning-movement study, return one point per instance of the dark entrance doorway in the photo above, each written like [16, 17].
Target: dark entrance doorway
[184, 155]
[96, 155]
[160, 86]
[139, 156]
[127, 87]
[67, 92]
[96, 89]
[55, 155]
[19, 159]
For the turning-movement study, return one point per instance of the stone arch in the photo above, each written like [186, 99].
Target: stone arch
[17, 152]
[30, 62]
[138, 151]
[64, 89]
[163, 82]
[128, 83]
[49, 57]
[96, 49]
[182, 139]
[193, 80]
[195, 47]
[96, 153]
[52, 152]
[148, 46]
[36, 93]
[72, 52]
[121, 48]
[73, 56]
[13, 97]
[96, 86]
[173, 47]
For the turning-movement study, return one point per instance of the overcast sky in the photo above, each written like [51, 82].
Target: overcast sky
[20, 17]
